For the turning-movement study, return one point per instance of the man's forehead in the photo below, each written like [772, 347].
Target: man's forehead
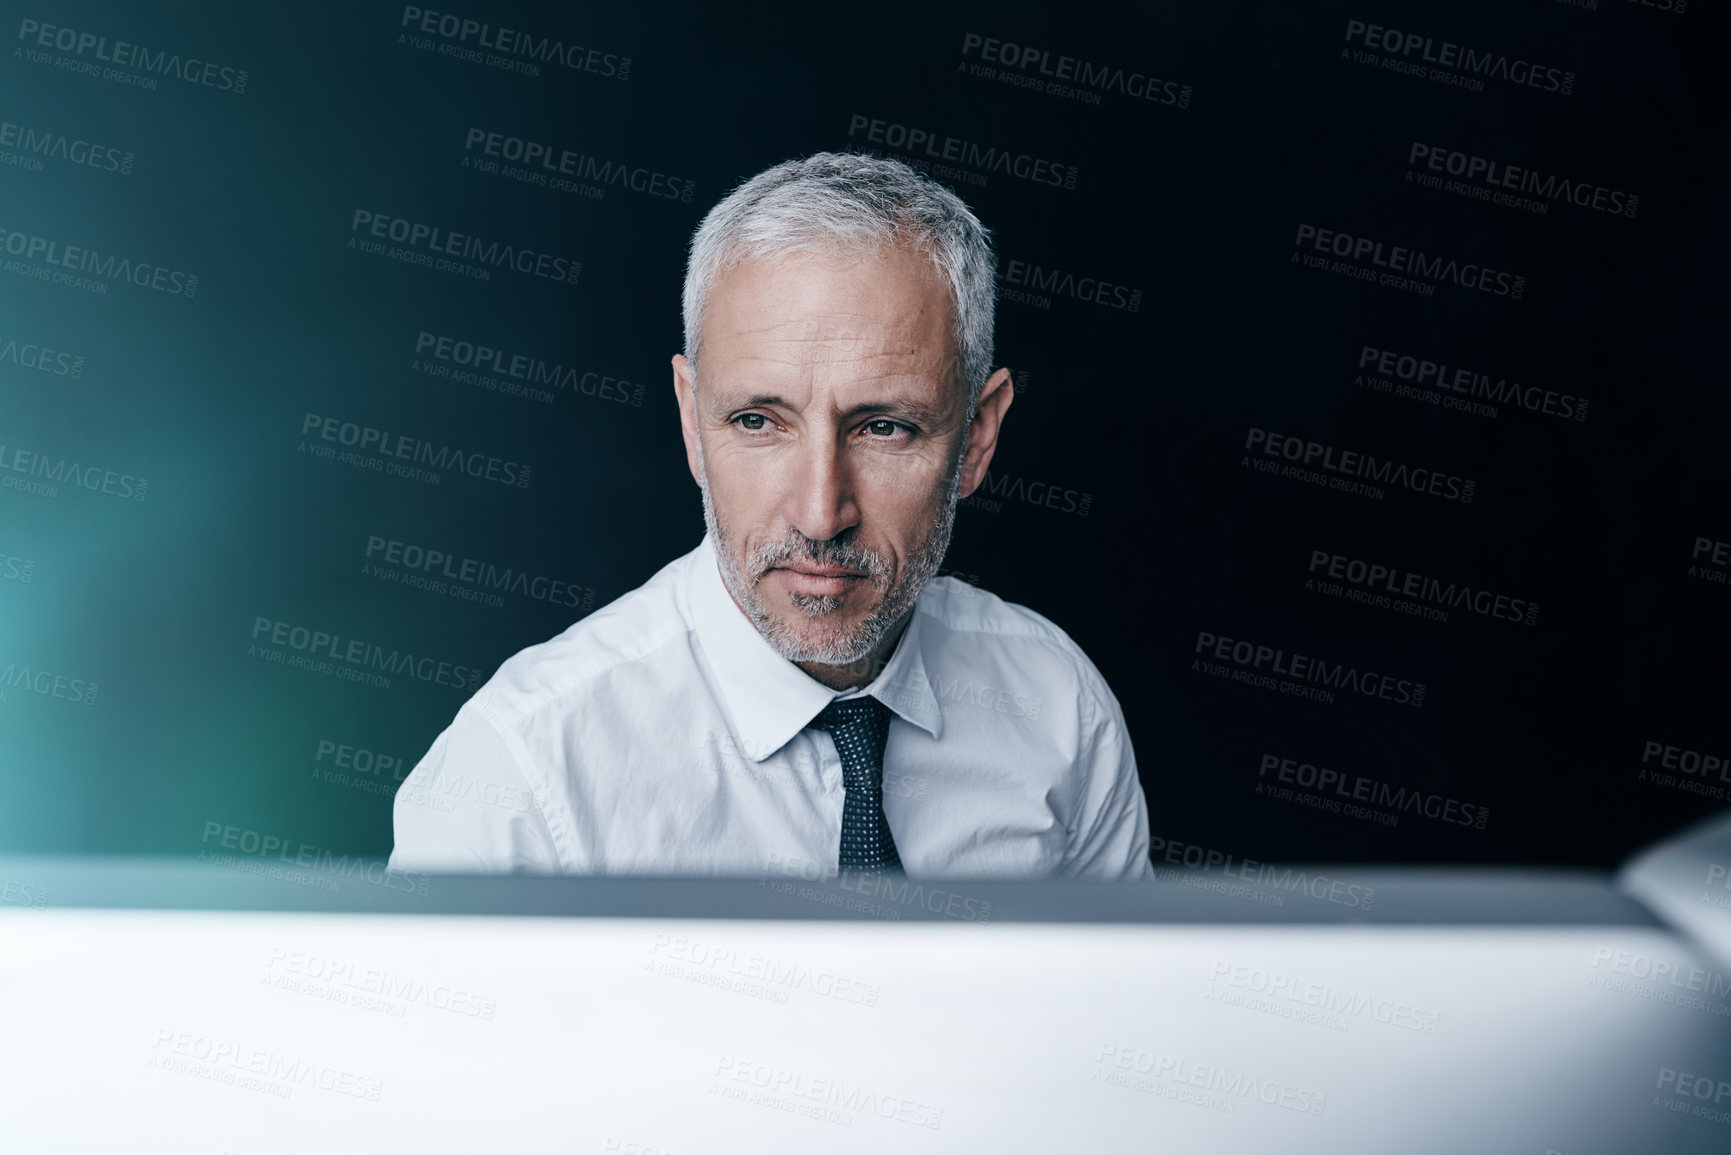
[828, 278]
[898, 365]
[795, 370]
[881, 349]
[799, 307]
[904, 375]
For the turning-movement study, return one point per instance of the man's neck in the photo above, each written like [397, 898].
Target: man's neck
[862, 672]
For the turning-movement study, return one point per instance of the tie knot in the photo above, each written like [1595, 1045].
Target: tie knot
[850, 712]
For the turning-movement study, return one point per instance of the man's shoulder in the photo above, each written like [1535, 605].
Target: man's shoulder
[627, 630]
[991, 621]
[985, 640]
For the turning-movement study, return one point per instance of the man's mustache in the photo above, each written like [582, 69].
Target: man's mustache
[859, 561]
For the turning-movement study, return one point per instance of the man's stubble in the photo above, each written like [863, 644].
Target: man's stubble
[848, 644]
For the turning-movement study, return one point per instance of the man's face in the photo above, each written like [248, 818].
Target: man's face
[826, 436]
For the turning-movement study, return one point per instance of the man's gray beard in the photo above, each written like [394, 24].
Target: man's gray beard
[850, 644]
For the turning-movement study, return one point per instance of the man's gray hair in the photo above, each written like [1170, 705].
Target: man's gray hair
[852, 202]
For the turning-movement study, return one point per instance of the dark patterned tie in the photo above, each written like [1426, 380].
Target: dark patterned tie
[860, 727]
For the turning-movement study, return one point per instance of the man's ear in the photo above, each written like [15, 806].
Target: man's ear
[995, 397]
[685, 395]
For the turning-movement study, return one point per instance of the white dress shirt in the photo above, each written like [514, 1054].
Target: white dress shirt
[662, 735]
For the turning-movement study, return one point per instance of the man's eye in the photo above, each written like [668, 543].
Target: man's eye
[884, 427]
[751, 417]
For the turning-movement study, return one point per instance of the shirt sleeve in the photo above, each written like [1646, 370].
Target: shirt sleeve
[1110, 836]
[468, 807]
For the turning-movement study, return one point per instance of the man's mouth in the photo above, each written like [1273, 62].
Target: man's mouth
[810, 578]
[821, 570]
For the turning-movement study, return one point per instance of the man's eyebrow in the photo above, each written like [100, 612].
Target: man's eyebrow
[917, 412]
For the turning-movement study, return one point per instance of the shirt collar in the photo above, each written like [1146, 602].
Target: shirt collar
[768, 698]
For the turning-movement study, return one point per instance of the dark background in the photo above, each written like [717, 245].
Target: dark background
[1136, 419]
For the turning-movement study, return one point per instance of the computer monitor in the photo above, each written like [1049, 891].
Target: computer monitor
[181, 1007]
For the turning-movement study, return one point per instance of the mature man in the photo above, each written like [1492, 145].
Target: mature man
[800, 694]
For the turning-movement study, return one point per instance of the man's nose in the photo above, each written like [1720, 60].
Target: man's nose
[824, 503]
